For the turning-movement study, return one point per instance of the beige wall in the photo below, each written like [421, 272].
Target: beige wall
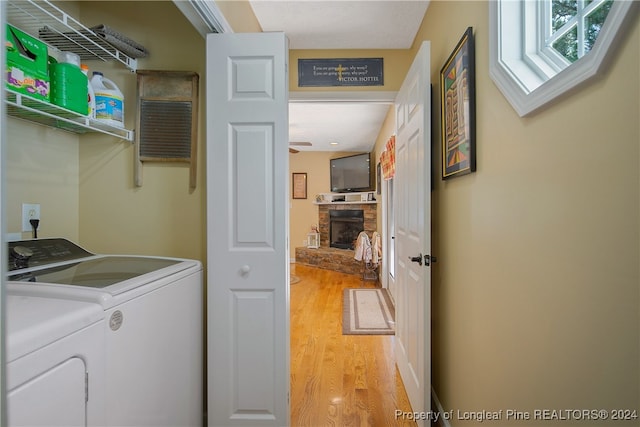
[536, 290]
[41, 167]
[239, 16]
[163, 217]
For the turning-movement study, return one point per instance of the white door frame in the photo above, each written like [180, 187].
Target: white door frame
[384, 212]
[387, 260]
[382, 97]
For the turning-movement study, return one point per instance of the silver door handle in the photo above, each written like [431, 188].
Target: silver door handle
[417, 259]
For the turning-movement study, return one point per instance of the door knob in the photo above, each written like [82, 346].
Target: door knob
[417, 259]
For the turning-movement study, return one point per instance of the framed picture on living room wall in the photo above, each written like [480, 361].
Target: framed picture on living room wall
[458, 109]
[299, 183]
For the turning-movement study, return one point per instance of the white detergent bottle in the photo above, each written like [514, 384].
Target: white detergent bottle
[91, 96]
[109, 100]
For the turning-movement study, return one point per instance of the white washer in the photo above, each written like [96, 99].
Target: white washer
[153, 324]
[55, 362]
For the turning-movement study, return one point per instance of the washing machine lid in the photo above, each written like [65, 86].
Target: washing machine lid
[96, 272]
[34, 322]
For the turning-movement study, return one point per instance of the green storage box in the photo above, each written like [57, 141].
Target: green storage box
[27, 64]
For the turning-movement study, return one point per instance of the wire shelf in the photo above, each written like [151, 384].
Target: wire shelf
[55, 27]
[42, 112]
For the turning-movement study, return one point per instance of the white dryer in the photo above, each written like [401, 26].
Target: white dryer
[55, 362]
[153, 327]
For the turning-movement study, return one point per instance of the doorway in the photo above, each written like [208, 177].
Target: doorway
[347, 114]
[319, 347]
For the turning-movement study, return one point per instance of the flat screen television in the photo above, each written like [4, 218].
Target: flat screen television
[351, 173]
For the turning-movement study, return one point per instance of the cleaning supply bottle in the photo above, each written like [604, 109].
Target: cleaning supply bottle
[68, 83]
[91, 97]
[109, 100]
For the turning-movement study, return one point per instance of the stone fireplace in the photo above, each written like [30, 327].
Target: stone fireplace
[332, 258]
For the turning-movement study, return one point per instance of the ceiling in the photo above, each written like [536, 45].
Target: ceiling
[354, 126]
[340, 24]
[343, 24]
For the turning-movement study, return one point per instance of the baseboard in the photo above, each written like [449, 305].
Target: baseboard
[437, 408]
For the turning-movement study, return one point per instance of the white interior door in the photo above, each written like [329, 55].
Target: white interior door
[247, 230]
[412, 187]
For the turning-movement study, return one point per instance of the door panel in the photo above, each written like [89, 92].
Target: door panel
[412, 186]
[59, 395]
[252, 153]
[247, 230]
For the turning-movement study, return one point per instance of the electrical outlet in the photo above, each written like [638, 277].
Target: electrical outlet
[29, 211]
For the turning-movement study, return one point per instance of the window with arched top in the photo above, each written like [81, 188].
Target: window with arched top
[540, 50]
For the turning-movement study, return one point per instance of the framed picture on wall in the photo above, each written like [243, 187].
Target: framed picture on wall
[299, 183]
[379, 179]
[458, 109]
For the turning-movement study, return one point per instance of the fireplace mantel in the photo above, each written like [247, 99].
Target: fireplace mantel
[367, 197]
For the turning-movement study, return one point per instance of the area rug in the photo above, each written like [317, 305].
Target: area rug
[367, 312]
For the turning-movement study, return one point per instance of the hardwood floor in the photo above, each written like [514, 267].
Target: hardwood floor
[338, 380]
